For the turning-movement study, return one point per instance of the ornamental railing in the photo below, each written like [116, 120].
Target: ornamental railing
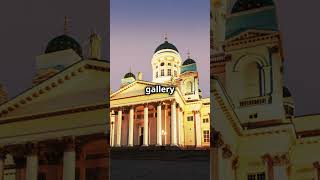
[255, 101]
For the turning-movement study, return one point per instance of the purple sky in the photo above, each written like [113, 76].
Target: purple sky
[138, 27]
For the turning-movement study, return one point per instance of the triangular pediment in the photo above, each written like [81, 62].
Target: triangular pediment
[134, 93]
[251, 33]
[82, 84]
[134, 89]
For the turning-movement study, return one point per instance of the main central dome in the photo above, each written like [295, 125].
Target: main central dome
[63, 42]
[166, 45]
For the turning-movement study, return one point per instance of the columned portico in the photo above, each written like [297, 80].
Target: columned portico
[2, 158]
[146, 126]
[316, 166]
[198, 128]
[112, 126]
[69, 160]
[173, 124]
[267, 159]
[159, 128]
[130, 136]
[32, 162]
[119, 123]
[216, 154]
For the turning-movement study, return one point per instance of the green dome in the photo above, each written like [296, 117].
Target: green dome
[63, 42]
[129, 74]
[188, 61]
[244, 5]
[263, 19]
[166, 45]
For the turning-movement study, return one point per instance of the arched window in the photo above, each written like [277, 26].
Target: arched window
[189, 87]
[251, 77]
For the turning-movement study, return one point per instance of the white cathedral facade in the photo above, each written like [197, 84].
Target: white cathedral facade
[255, 134]
[180, 119]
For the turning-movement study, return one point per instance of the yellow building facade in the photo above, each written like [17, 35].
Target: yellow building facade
[180, 118]
[58, 128]
[255, 135]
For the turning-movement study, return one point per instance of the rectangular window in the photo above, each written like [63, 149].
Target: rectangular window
[169, 64]
[157, 74]
[206, 120]
[175, 74]
[206, 136]
[162, 72]
[169, 72]
[190, 118]
[256, 176]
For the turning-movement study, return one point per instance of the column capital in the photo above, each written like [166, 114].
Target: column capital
[32, 148]
[216, 139]
[3, 153]
[316, 165]
[267, 158]
[226, 152]
[69, 143]
[235, 163]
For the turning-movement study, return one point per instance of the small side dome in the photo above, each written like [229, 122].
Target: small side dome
[286, 92]
[245, 5]
[129, 74]
[188, 61]
[166, 45]
[63, 42]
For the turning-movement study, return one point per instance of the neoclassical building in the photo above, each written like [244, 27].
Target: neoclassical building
[255, 134]
[180, 119]
[58, 128]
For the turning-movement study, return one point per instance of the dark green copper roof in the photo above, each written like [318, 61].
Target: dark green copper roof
[166, 45]
[63, 42]
[188, 61]
[129, 74]
[244, 5]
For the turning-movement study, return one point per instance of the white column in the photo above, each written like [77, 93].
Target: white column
[119, 122]
[112, 120]
[130, 137]
[179, 126]
[316, 166]
[280, 172]
[2, 159]
[145, 124]
[159, 129]
[268, 166]
[198, 129]
[69, 162]
[173, 124]
[32, 164]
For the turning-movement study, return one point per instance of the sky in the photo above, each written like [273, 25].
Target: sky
[138, 27]
[27, 26]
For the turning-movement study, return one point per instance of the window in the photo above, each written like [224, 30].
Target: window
[257, 176]
[157, 74]
[206, 120]
[190, 118]
[175, 73]
[162, 72]
[156, 67]
[162, 64]
[206, 136]
[169, 64]
[169, 72]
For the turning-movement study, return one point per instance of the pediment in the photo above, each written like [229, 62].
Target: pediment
[134, 89]
[248, 34]
[82, 84]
